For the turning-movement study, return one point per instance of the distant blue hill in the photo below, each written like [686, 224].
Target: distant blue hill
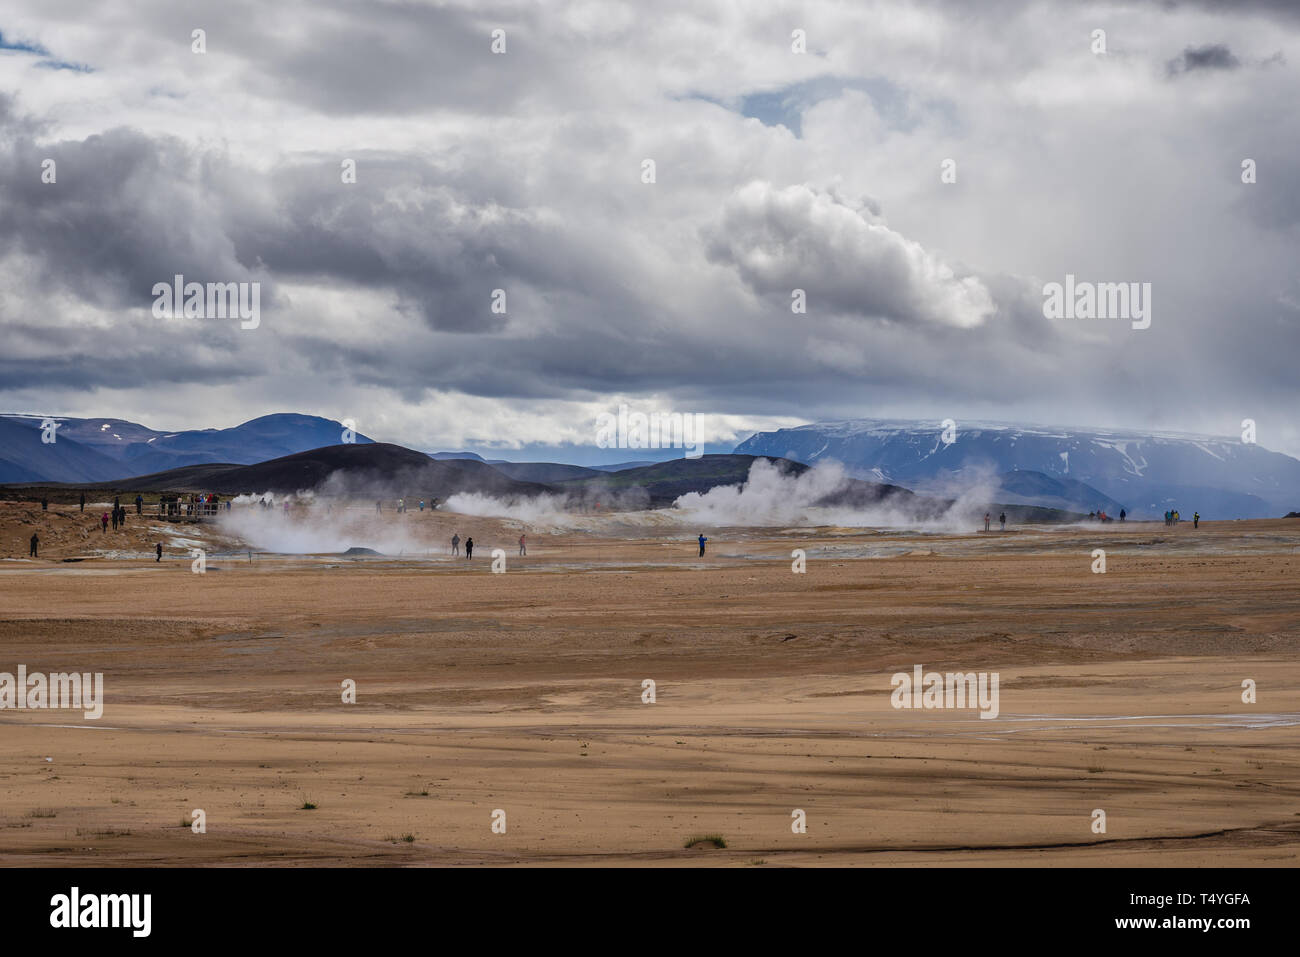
[442, 456]
[25, 458]
[1146, 473]
[103, 449]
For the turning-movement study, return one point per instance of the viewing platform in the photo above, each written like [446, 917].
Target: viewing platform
[171, 510]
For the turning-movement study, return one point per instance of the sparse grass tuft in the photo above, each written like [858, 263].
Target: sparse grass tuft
[717, 840]
[105, 832]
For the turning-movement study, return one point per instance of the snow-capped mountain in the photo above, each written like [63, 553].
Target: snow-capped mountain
[1146, 472]
[104, 449]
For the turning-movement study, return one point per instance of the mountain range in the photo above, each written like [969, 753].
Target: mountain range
[386, 472]
[1072, 470]
[100, 450]
[1146, 473]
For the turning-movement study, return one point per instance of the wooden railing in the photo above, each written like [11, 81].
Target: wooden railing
[189, 510]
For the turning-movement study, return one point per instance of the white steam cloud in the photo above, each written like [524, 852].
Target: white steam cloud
[769, 497]
[316, 530]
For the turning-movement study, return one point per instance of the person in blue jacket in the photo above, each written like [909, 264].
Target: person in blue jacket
[702, 541]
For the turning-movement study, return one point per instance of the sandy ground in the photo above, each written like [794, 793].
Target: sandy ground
[523, 692]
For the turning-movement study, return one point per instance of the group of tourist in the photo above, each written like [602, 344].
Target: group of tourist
[523, 545]
[1173, 518]
[1002, 520]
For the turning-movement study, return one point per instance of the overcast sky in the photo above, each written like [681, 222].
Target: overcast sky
[774, 170]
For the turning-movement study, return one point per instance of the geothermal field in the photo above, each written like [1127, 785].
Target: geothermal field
[613, 698]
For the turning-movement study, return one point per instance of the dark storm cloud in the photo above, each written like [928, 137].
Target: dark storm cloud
[125, 211]
[129, 210]
[130, 357]
[1215, 56]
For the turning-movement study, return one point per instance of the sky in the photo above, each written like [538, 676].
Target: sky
[919, 170]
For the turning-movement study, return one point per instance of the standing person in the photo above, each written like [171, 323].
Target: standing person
[114, 518]
[158, 552]
[1196, 519]
[139, 505]
[1122, 514]
[1003, 519]
[469, 548]
[45, 504]
[35, 541]
[523, 549]
[83, 501]
[379, 506]
[986, 521]
[121, 518]
[455, 544]
[702, 541]
[422, 505]
[103, 523]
